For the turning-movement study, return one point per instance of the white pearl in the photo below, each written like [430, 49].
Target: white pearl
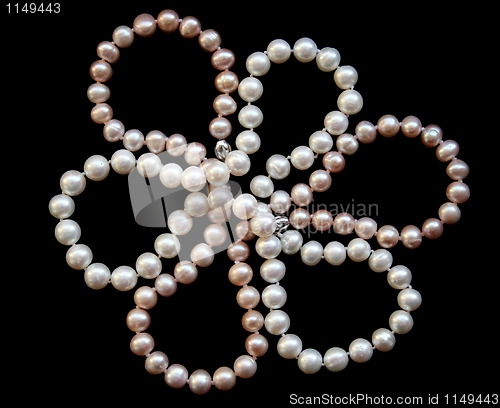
[167, 245]
[289, 346]
[262, 186]
[358, 250]
[258, 64]
[310, 361]
[311, 253]
[149, 165]
[133, 140]
[336, 122]
[193, 179]
[248, 141]
[302, 157]
[165, 285]
[328, 59]
[272, 270]
[347, 144]
[238, 163]
[305, 50]
[79, 256]
[176, 376]
[196, 204]
[263, 224]
[268, 247]
[280, 202]
[113, 130]
[320, 142]
[148, 265]
[180, 222]
[170, 175]
[274, 296]
[215, 235]
[250, 89]
[245, 206]
[217, 173]
[97, 276]
[399, 277]
[185, 272]
[61, 206]
[291, 242]
[72, 183]
[123, 161]
[195, 153]
[200, 382]
[245, 366]
[277, 322]
[383, 340]
[350, 102]
[224, 378]
[202, 255]
[250, 116]
[263, 208]
[335, 253]
[360, 350]
[68, 232]
[220, 197]
[409, 299]
[219, 215]
[96, 168]
[345, 77]
[279, 51]
[380, 260]
[336, 359]
[401, 322]
[278, 166]
[124, 278]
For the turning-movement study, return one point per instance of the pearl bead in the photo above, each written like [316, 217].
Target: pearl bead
[360, 350]
[248, 141]
[305, 50]
[383, 340]
[301, 194]
[245, 206]
[165, 285]
[224, 378]
[193, 179]
[250, 89]
[447, 150]
[300, 218]
[279, 51]
[176, 145]
[220, 128]
[263, 224]
[149, 165]
[238, 163]
[280, 202]
[202, 255]
[409, 299]
[399, 277]
[123, 161]
[278, 166]
[238, 251]
[432, 135]
[250, 116]
[401, 322]
[289, 346]
[170, 175]
[195, 153]
[256, 345]
[217, 173]
[96, 168]
[142, 344]
[145, 297]
[167, 245]
[320, 142]
[335, 253]
[432, 228]
[310, 361]
[449, 213]
[336, 359]
[258, 64]
[124, 278]
[411, 126]
[365, 132]
[411, 237]
[336, 122]
[328, 59]
[98, 93]
[196, 204]
[347, 144]
[156, 362]
[291, 242]
[189, 27]
[302, 157]
[261, 186]
[148, 265]
[457, 169]
[226, 82]
[97, 276]
[72, 183]
[180, 222]
[277, 322]
[350, 102]
[252, 321]
[144, 25]
[458, 192]
[365, 227]
[240, 274]
[322, 220]
[388, 126]
[272, 270]
[68, 232]
[215, 235]
[223, 59]
[133, 140]
[387, 236]
[243, 232]
[61, 206]
[168, 21]
[200, 381]
[220, 197]
[311, 253]
[138, 320]
[108, 51]
[209, 40]
[358, 250]
[274, 296]
[343, 224]
[176, 376]
[380, 260]
[245, 366]
[101, 71]
[101, 113]
[79, 256]
[123, 36]
[334, 162]
[320, 180]
[345, 77]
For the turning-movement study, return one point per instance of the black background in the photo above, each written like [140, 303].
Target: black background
[70, 344]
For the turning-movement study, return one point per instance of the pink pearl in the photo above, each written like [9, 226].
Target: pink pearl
[145, 297]
[142, 344]
[138, 320]
[195, 153]
[226, 82]
[238, 251]
[411, 237]
[243, 231]
[176, 145]
[252, 321]
[449, 213]
[447, 150]
[220, 128]
[144, 25]
[411, 126]
[240, 274]
[248, 297]
[432, 135]
[224, 378]
[365, 131]
[101, 71]
[387, 236]
[223, 59]
[300, 218]
[113, 130]
[457, 169]
[209, 40]
[388, 126]
[322, 220]
[101, 113]
[365, 227]
[432, 228]
[458, 192]
[343, 223]
[98, 93]
[189, 27]
[320, 180]
[108, 51]
[301, 194]
[185, 272]
[224, 105]
[256, 345]
[334, 161]
[168, 21]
